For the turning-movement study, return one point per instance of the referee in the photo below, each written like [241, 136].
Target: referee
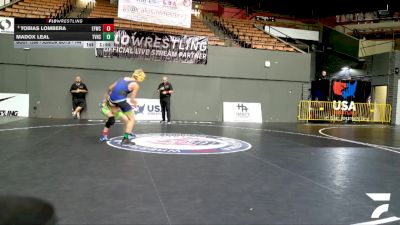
[165, 90]
[78, 91]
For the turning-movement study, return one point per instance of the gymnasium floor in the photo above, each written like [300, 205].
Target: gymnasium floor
[292, 174]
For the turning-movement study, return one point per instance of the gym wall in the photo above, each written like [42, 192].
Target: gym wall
[232, 74]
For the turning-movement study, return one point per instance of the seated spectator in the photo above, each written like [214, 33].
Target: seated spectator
[78, 91]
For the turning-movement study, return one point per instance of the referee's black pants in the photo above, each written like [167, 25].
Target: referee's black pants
[165, 108]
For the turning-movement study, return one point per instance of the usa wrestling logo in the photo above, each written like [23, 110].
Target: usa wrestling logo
[344, 89]
[183, 144]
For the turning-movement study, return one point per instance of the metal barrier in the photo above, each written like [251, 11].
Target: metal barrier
[337, 111]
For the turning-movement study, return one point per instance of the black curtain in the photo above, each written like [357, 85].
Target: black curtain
[320, 90]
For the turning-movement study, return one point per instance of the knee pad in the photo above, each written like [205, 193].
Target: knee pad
[110, 122]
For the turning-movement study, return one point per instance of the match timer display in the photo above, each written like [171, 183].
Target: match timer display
[64, 33]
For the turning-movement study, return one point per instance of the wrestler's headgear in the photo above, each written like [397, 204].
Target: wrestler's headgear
[139, 75]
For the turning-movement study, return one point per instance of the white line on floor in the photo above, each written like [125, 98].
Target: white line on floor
[386, 148]
[381, 221]
[325, 136]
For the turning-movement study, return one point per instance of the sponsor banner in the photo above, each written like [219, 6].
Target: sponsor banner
[6, 25]
[14, 105]
[157, 47]
[181, 144]
[147, 109]
[242, 112]
[164, 12]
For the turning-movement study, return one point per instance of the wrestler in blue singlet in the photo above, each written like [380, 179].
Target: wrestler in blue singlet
[119, 94]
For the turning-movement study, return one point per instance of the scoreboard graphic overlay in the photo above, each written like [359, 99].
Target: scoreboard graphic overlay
[64, 33]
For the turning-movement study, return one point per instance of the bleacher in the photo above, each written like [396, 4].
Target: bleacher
[37, 9]
[244, 31]
[369, 25]
[251, 37]
[106, 10]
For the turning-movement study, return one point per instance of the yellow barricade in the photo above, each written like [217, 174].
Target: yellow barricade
[336, 111]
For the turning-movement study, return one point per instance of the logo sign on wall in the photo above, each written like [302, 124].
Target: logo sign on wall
[6, 25]
[344, 89]
[186, 144]
[344, 92]
[164, 12]
[242, 112]
[153, 46]
[14, 105]
[147, 109]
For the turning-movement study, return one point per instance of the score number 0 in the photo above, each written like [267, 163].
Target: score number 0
[108, 27]
[108, 32]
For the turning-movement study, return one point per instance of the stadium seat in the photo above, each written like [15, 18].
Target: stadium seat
[105, 9]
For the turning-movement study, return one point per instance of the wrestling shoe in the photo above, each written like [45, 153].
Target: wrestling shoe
[127, 142]
[103, 138]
